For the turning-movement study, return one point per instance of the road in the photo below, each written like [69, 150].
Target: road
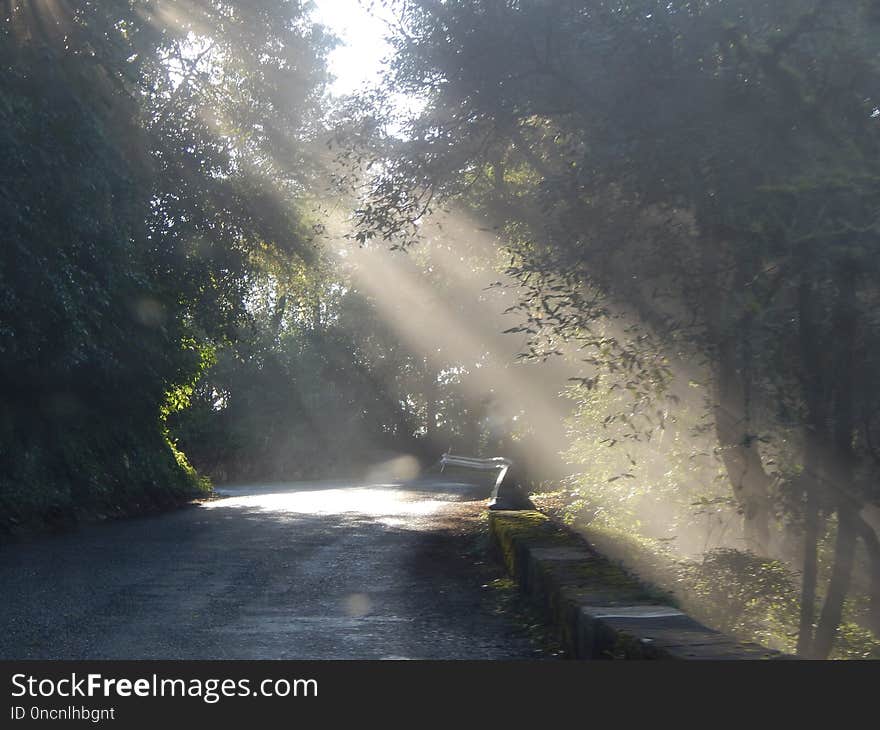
[297, 571]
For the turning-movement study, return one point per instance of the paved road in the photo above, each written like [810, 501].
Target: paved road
[299, 571]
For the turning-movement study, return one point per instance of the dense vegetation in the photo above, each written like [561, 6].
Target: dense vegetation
[166, 299]
[150, 151]
[675, 203]
[688, 191]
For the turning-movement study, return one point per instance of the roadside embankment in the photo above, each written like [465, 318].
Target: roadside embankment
[601, 611]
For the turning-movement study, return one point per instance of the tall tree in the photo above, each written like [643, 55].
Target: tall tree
[751, 128]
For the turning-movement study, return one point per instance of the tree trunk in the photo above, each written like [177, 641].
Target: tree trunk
[431, 394]
[840, 469]
[872, 545]
[739, 452]
[814, 384]
[738, 446]
[810, 571]
[838, 586]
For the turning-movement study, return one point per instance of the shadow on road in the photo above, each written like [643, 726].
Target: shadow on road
[324, 570]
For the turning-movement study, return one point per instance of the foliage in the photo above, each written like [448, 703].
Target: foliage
[325, 382]
[129, 211]
[686, 189]
[746, 595]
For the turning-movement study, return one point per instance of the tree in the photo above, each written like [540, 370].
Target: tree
[750, 129]
[148, 148]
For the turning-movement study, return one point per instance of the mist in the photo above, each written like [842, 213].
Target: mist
[631, 247]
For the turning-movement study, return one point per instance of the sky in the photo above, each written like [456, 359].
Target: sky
[358, 59]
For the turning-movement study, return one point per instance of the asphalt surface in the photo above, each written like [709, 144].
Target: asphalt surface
[297, 571]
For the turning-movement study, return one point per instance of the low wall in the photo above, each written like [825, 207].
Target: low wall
[600, 610]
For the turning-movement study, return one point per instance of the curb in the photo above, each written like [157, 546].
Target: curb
[600, 611]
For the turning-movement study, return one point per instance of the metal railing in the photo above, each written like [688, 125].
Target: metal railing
[471, 462]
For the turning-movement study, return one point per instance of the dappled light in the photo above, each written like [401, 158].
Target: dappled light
[446, 311]
[382, 503]
[279, 258]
